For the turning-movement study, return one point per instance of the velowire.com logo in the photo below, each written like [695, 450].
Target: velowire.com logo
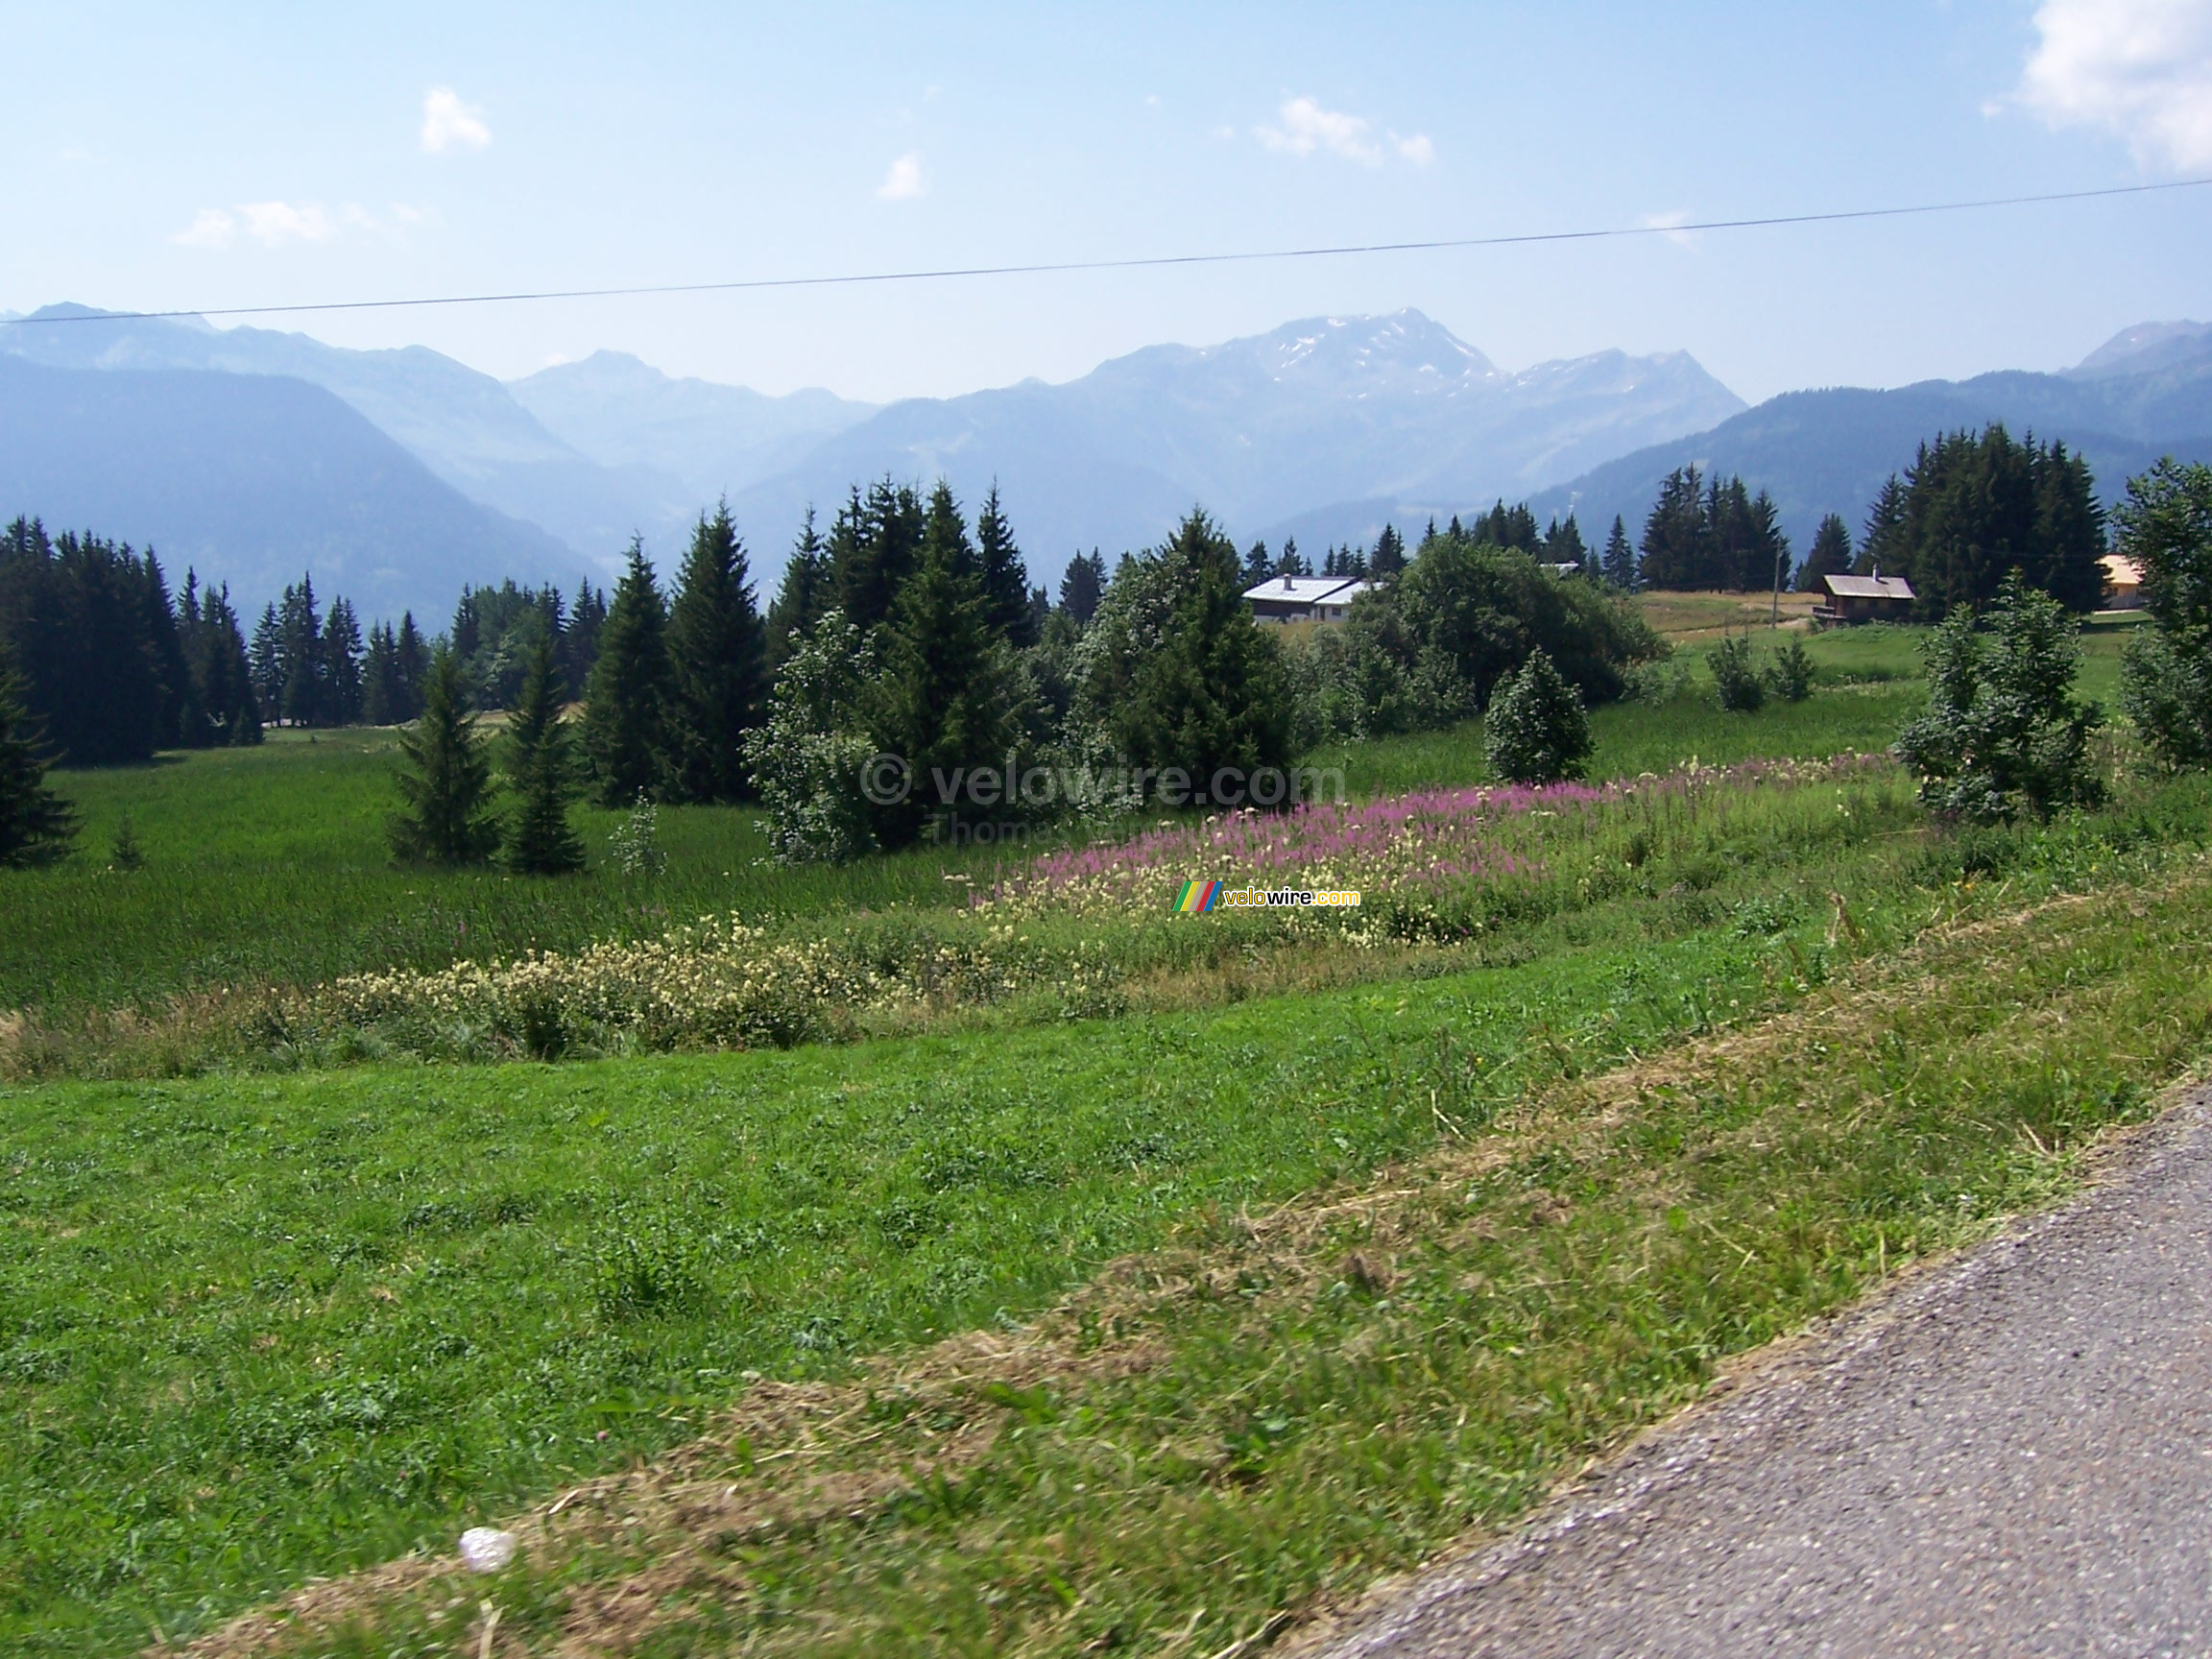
[1198, 898]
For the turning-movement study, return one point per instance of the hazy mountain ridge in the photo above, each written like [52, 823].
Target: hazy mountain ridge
[2145, 393]
[1312, 411]
[1325, 427]
[253, 480]
[463, 425]
[623, 413]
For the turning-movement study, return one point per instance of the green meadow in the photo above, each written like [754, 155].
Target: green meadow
[261, 1327]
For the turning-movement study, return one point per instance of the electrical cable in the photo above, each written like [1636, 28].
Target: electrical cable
[1150, 262]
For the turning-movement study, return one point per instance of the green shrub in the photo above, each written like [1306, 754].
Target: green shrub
[1536, 732]
[2003, 734]
[2165, 525]
[1789, 671]
[1736, 675]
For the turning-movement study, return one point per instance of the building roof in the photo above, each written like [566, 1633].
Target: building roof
[2120, 571]
[1868, 587]
[1306, 590]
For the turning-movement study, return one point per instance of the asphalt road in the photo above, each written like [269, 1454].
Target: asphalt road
[2012, 1455]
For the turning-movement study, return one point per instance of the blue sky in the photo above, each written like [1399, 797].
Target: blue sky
[242, 155]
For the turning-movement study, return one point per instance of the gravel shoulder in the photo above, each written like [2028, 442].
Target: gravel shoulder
[2009, 1454]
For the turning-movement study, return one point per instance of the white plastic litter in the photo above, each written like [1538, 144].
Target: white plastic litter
[487, 1548]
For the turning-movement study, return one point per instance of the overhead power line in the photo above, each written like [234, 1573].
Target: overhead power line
[1148, 262]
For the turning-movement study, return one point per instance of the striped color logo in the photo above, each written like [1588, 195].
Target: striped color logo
[1197, 897]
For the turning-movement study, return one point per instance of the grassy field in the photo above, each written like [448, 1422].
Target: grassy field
[269, 865]
[1034, 1332]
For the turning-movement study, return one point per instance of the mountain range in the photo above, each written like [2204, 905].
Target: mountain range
[395, 475]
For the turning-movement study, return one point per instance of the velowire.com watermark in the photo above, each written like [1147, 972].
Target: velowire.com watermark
[888, 780]
[1198, 898]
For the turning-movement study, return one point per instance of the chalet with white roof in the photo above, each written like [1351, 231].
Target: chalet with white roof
[1305, 598]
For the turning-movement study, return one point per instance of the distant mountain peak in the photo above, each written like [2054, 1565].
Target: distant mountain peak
[2144, 347]
[1405, 349]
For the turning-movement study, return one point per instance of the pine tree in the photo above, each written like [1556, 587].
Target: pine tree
[300, 659]
[625, 714]
[1830, 555]
[717, 664]
[946, 698]
[413, 659]
[1389, 553]
[36, 825]
[1211, 693]
[1619, 562]
[1677, 534]
[445, 781]
[1081, 585]
[380, 677]
[800, 598]
[222, 676]
[1883, 542]
[1005, 576]
[341, 664]
[539, 840]
[1563, 543]
[873, 546]
[579, 646]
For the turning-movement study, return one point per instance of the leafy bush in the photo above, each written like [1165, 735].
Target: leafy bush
[1789, 671]
[2165, 525]
[807, 756]
[1736, 675]
[2003, 734]
[1535, 731]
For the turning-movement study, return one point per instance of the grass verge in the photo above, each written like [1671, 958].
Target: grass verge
[1246, 1427]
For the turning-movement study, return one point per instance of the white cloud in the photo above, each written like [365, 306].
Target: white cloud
[905, 180]
[274, 223]
[448, 122]
[210, 227]
[1305, 127]
[1668, 225]
[2139, 68]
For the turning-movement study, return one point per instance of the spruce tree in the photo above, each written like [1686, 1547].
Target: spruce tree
[444, 782]
[414, 660]
[1006, 577]
[1618, 561]
[579, 645]
[873, 546]
[299, 644]
[800, 597]
[1830, 555]
[380, 677]
[947, 699]
[1082, 584]
[1257, 565]
[1210, 693]
[539, 840]
[36, 825]
[1883, 540]
[1563, 543]
[341, 664]
[1389, 553]
[1677, 550]
[625, 712]
[2165, 526]
[718, 663]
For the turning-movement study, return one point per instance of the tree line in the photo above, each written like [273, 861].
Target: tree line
[110, 665]
[1969, 510]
